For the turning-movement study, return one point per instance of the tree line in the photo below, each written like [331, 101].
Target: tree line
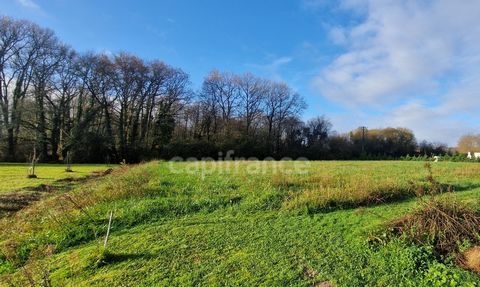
[99, 107]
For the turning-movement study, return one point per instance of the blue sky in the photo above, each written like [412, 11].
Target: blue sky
[377, 63]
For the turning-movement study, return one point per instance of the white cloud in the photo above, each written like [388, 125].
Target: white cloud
[338, 36]
[420, 57]
[432, 124]
[29, 4]
[272, 68]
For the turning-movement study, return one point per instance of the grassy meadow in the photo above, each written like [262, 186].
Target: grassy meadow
[13, 176]
[237, 224]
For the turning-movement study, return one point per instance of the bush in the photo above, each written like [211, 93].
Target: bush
[443, 224]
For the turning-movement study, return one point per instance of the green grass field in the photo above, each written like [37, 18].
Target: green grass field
[251, 224]
[13, 176]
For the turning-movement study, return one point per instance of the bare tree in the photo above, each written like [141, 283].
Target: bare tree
[93, 105]
[96, 73]
[221, 93]
[65, 89]
[252, 92]
[16, 54]
[318, 130]
[157, 75]
[171, 101]
[49, 56]
[129, 78]
[281, 102]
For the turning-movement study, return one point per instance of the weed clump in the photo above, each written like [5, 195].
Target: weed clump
[443, 224]
[431, 186]
[102, 257]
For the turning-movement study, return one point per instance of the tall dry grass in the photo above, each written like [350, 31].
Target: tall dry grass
[332, 193]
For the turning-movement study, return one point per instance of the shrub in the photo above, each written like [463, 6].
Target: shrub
[443, 224]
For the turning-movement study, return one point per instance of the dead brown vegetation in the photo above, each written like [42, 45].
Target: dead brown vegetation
[470, 259]
[443, 223]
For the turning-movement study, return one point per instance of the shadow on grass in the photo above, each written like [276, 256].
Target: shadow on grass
[466, 186]
[110, 258]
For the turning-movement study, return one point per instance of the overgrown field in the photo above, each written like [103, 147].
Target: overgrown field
[241, 224]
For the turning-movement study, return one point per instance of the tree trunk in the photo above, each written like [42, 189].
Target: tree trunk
[42, 138]
[108, 125]
[55, 134]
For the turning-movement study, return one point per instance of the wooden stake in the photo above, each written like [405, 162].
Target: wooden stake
[108, 230]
